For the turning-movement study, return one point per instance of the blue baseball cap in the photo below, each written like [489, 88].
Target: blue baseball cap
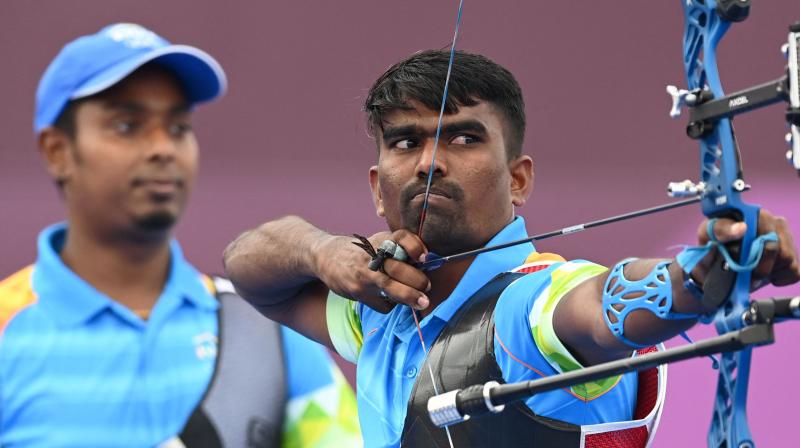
[91, 64]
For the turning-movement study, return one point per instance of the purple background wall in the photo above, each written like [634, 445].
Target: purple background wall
[289, 137]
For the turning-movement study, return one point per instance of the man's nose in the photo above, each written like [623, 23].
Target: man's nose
[161, 144]
[432, 159]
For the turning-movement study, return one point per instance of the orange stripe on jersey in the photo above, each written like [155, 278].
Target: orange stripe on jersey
[543, 256]
[16, 293]
[538, 261]
[208, 282]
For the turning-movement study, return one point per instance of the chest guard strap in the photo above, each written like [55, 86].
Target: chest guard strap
[240, 408]
[463, 355]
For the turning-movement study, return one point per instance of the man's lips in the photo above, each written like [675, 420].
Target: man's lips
[433, 192]
[159, 185]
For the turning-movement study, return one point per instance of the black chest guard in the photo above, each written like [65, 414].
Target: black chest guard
[463, 355]
[241, 408]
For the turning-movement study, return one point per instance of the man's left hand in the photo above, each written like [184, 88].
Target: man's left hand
[779, 263]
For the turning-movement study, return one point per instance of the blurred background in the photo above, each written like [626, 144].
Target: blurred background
[290, 137]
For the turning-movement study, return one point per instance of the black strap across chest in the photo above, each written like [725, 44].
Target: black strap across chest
[463, 355]
[246, 397]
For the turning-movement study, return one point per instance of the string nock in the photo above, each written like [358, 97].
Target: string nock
[685, 188]
[680, 98]
[432, 261]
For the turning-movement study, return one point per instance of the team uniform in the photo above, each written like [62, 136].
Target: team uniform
[390, 358]
[79, 369]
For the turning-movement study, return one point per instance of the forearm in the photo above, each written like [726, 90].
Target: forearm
[644, 327]
[580, 325]
[275, 261]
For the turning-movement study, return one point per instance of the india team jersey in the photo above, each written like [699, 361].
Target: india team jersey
[77, 369]
[389, 355]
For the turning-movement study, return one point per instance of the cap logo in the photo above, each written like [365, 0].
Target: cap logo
[132, 35]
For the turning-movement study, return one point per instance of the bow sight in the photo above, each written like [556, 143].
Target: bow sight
[705, 110]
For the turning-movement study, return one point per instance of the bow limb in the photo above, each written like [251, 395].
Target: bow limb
[721, 173]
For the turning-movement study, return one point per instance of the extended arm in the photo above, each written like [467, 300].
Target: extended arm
[578, 318]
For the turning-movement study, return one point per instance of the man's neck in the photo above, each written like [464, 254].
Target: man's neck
[445, 279]
[132, 273]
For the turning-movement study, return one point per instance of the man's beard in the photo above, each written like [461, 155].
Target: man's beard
[155, 222]
[444, 233]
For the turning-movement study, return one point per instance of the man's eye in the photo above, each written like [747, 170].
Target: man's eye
[123, 126]
[179, 129]
[463, 140]
[408, 143]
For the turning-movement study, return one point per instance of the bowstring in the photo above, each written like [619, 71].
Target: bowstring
[439, 121]
[428, 189]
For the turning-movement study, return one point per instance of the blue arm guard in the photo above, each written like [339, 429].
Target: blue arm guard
[622, 296]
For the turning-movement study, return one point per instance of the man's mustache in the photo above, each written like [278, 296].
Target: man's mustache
[442, 188]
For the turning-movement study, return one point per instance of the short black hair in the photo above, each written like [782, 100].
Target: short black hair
[66, 122]
[473, 78]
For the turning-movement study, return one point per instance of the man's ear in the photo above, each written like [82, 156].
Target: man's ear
[521, 170]
[375, 185]
[55, 148]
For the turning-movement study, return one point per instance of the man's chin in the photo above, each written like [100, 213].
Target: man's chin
[156, 222]
[444, 235]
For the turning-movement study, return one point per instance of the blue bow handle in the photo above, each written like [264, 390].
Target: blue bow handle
[706, 22]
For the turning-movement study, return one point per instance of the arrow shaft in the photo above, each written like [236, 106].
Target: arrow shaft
[564, 231]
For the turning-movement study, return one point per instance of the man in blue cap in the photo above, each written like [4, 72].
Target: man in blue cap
[112, 338]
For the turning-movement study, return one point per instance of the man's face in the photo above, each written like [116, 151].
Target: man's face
[134, 157]
[474, 187]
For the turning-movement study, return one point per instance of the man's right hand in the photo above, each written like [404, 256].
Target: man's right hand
[342, 266]
[285, 268]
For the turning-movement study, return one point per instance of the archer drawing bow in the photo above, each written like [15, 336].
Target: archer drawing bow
[741, 323]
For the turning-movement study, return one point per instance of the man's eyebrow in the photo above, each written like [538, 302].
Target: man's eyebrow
[393, 132]
[136, 107]
[180, 109]
[125, 106]
[457, 127]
